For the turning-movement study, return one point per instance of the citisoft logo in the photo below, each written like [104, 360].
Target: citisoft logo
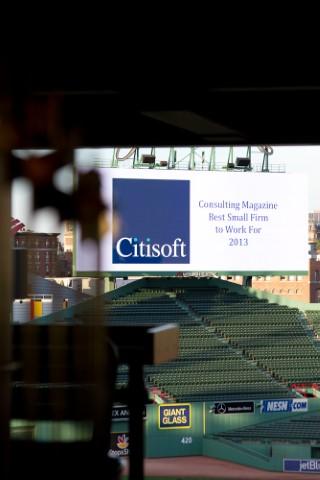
[154, 221]
[132, 247]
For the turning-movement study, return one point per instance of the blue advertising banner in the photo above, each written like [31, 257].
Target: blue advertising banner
[289, 405]
[303, 466]
[174, 416]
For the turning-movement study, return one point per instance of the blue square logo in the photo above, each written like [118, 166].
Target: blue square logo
[154, 221]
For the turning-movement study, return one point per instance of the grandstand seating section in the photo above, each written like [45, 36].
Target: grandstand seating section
[231, 346]
[314, 319]
[304, 428]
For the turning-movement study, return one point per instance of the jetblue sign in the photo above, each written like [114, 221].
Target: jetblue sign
[290, 405]
[301, 466]
[154, 225]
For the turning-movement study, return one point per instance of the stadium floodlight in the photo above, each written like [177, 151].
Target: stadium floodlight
[243, 162]
[148, 158]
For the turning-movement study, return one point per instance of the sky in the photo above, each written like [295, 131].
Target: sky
[302, 159]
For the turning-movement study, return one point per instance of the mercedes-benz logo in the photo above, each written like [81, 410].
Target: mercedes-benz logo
[221, 408]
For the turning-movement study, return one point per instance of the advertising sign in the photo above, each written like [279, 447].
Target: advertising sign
[290, 405]
[225, 408]
[119, 444]
[168, 221]
[174, 415]
[303, 466]
[121, 412]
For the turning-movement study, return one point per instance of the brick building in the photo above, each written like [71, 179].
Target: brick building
[68, 236]
[303, 288]
[295, 287]
[42, 251]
